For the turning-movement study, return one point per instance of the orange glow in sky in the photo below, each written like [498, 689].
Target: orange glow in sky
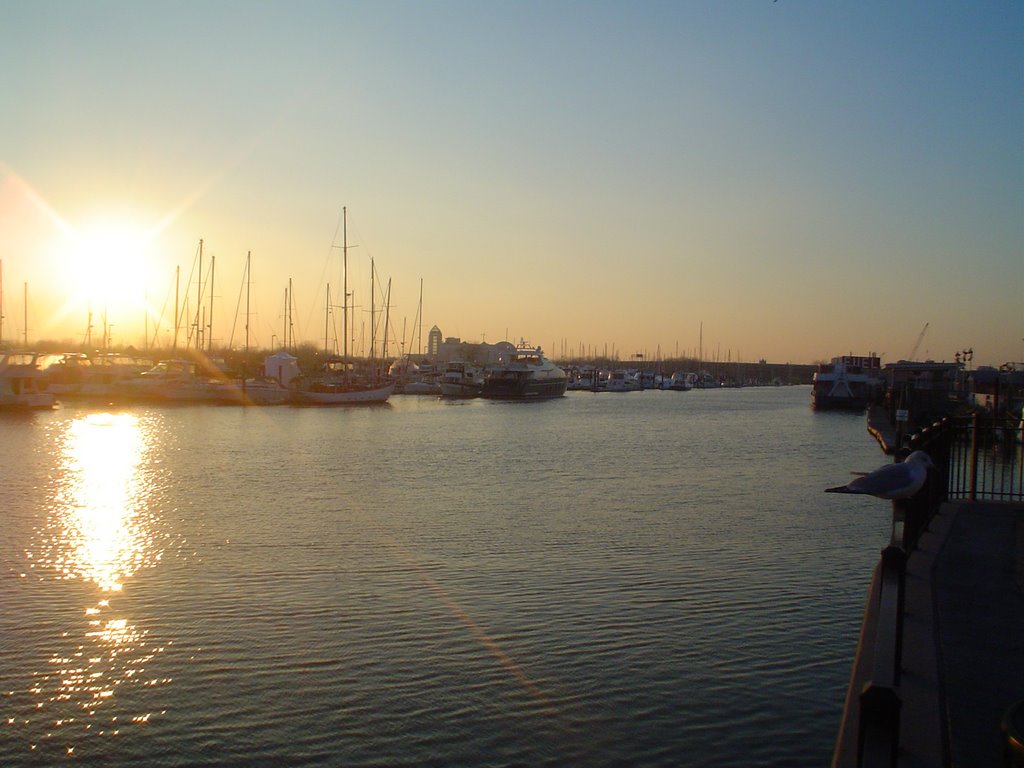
[799, 180]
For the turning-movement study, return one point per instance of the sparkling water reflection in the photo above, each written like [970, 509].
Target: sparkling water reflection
[99, 531]
[101, 523]
[649, 580]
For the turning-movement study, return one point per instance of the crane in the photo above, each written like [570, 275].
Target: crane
[917, 344]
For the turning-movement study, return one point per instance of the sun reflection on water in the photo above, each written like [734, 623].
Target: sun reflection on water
[102, 519]
[102, 531]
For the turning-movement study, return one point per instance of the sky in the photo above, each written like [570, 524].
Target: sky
[745, 180]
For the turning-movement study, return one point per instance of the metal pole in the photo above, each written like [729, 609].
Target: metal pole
[973, 488]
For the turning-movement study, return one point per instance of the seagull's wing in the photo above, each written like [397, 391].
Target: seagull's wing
[893, 481]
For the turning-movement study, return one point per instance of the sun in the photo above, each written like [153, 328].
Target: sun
[111, 263]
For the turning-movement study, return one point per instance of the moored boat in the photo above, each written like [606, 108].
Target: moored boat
[77, 375]
[339, 384]
[461, 379]
[587, 378]
[623, 381]
[174, 380]
[681, 381]
[849, 382]
[325, 393]
[22, 386]
[527, 375]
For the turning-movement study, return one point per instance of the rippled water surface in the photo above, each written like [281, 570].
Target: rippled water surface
[650, 578]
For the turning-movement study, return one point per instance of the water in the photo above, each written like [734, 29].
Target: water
[651, 578]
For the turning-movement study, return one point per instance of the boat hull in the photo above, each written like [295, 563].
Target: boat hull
[349, 396]
[460, 389]
[29, 401]
[826, 402]
[522, 388]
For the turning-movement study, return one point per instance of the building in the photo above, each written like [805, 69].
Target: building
[998, 391]
[924, 391]
[454, 348]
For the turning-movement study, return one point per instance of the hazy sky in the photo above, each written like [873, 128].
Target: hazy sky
[806, 179]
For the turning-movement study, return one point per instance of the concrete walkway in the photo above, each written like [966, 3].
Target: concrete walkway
[977, 585]
[963, 640]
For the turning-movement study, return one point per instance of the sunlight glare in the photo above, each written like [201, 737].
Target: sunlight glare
[112, 263]
[105, 537]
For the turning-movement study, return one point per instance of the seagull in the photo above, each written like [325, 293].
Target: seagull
[893, 481]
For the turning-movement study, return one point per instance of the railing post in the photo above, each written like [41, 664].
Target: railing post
[879, 736]
[879, 741]
[973, 482]
[894, 562]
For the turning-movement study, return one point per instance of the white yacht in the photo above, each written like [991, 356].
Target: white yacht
[681, 381]
[528, 375]
[623, 381]
[461, 380]
[22, 385]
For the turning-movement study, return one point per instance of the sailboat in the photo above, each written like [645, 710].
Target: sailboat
[338, 382]
[258, 390]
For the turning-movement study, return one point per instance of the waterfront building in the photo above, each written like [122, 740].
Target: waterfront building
[434, 342]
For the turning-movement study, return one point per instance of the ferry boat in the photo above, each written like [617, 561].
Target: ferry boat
[528, 375]
[849, 382]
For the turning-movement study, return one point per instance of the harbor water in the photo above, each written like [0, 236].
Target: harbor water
[651, 578]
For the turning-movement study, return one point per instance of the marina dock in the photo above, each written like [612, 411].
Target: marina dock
[938, 678]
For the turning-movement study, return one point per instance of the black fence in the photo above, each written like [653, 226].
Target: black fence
[976, 458]
[986, 460]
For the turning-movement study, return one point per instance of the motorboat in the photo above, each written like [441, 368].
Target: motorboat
[461, 379]
[177, 380]
[22, 386]
[527, 375]
[849, 382]
[623, 381]
[588, 378]
[77, 375]
[680, 381]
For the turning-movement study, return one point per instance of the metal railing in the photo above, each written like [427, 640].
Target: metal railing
[976, 458]
[986, 460]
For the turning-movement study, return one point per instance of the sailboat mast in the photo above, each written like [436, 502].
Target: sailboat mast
[291, 327]
[387, 320]
[177, 308]
[373, 320]
[1, 303]
[248, 282]
[327, 319]
[26, 316]
[196, 326]
[213, 272]
[344, 286]
[419, 323]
